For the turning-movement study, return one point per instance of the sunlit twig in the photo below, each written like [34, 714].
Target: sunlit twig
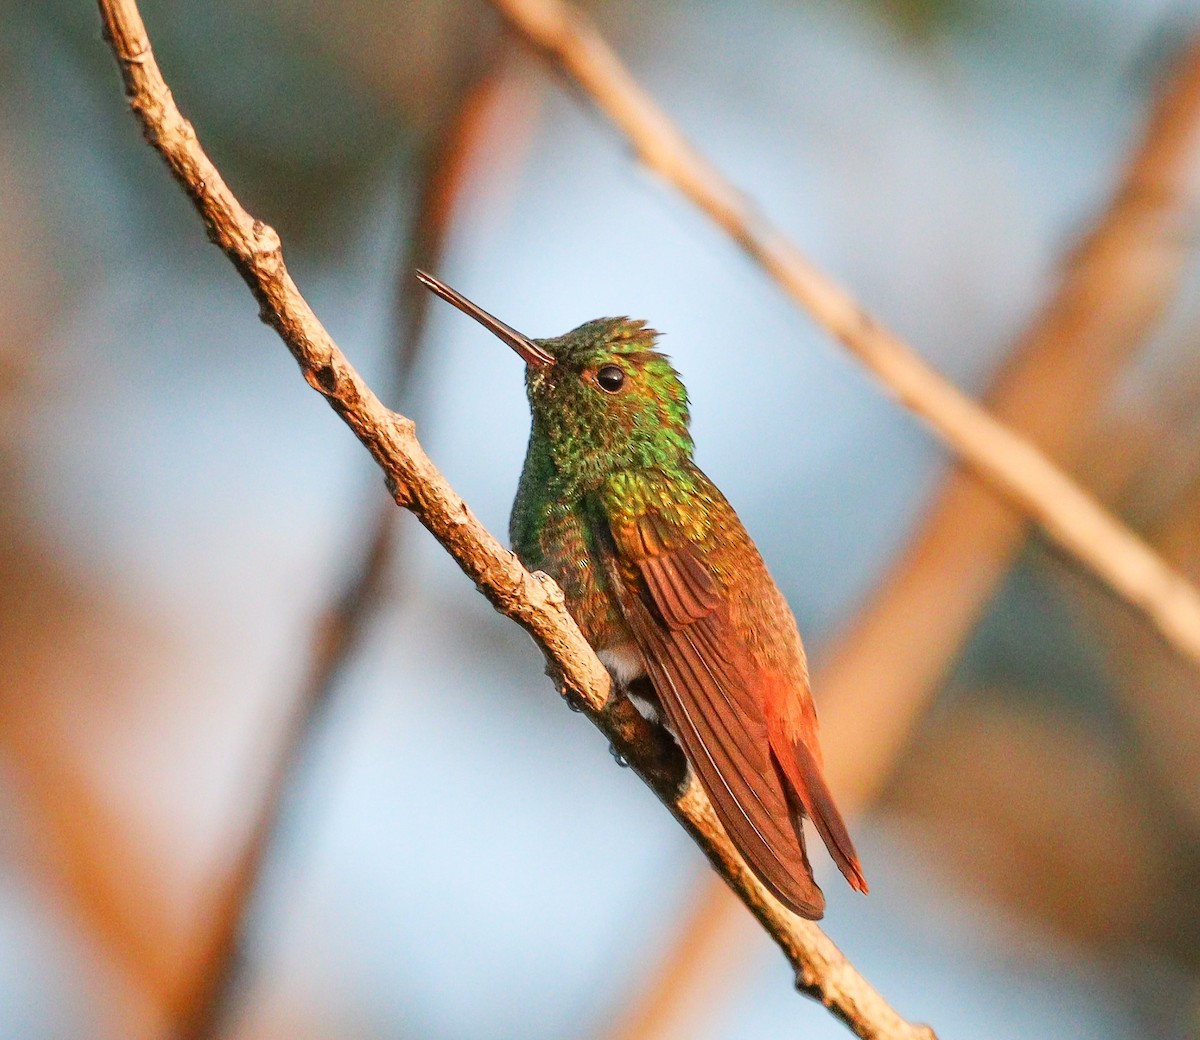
[1112, 292]
[220, 967]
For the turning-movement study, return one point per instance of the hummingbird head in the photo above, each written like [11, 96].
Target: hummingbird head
[602, 396]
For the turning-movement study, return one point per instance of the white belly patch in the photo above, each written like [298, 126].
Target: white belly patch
[624, 662]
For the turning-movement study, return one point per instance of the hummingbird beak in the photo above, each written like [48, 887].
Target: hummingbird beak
[529, 351]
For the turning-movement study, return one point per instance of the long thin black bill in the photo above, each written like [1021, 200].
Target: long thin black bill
[529, 351]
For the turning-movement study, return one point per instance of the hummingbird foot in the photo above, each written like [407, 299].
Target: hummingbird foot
[646, 744]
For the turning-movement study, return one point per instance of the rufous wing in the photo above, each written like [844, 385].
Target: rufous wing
[712, 694]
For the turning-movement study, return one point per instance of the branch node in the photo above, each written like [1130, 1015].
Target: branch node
[401, 493]
[324, 379]
[267, 242]
[570, 697]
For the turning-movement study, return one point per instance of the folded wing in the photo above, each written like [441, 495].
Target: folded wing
[713, 696]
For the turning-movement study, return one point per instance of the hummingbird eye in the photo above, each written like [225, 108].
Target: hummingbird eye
[611, 378]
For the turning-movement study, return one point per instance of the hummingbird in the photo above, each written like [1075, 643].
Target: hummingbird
[668, 588]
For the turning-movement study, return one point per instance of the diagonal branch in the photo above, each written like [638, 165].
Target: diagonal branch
[1113, 291]
[220, 965]
[218, 969]
[533, 601]
[1006, 460]
[708, 958]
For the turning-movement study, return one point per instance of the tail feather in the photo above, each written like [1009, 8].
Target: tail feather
[818, 802]
[803, 774]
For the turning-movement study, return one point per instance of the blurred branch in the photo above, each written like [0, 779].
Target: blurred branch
[1009, 462]
[78, 825]
[533, 601]
[1178, 531]
[218, 967]
[1157, 694]
[495, 94]
[1113, 290]
[696, 971]
[1036, 810]
[1148, 452]
[340, 629]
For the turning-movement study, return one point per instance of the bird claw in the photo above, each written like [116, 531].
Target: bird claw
[620, 759]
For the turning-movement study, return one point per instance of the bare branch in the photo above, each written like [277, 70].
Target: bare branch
[1007, 461]
[339, 630]
[533, 601]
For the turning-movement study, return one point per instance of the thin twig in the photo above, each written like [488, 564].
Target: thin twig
[1113, 290]
[533, 601]
[220, 968]
[1007, 461]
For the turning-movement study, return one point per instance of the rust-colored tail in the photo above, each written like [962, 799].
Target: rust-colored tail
[792, 730]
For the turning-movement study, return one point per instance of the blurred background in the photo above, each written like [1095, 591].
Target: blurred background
[455, 854]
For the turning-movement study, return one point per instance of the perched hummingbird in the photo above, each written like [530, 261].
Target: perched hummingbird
[667, 586]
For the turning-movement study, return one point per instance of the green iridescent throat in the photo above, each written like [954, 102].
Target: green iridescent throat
[583, 434]
[598, 457]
